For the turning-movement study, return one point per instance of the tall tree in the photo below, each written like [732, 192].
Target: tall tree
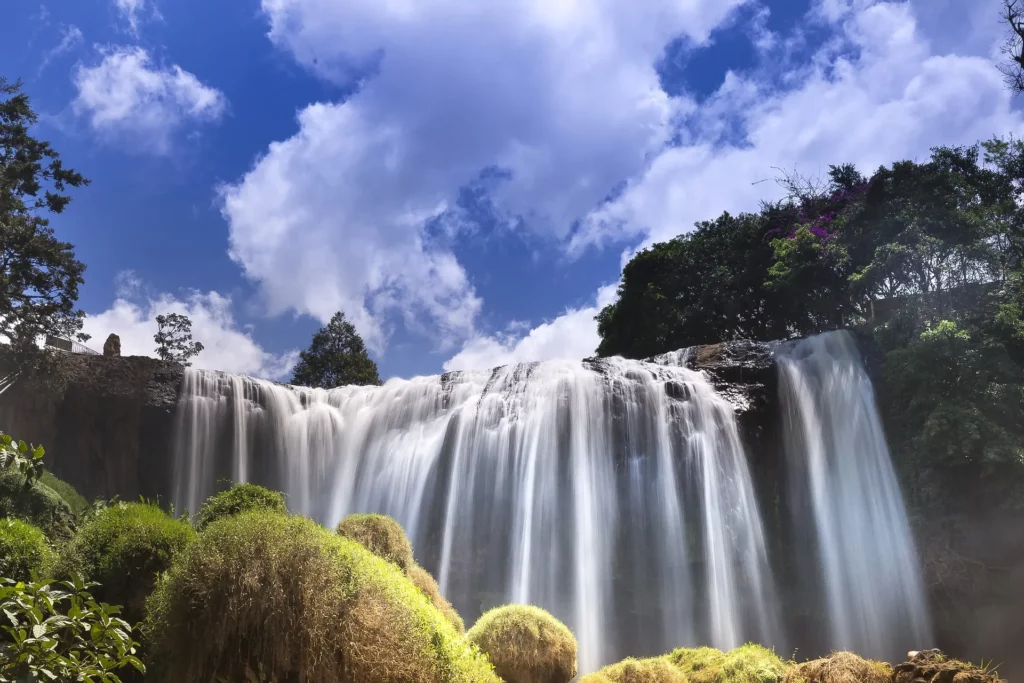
[174, 339]
[1013, 48]
[39, 274]
[336, 357]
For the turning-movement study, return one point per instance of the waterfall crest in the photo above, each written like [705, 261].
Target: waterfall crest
[845, 490]
[614, 493]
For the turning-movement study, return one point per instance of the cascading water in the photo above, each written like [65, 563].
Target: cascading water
[614, 493]
[840, 470]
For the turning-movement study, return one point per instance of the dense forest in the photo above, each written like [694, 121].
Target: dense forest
[922, 259]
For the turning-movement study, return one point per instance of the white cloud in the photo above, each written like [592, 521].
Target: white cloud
[572, 335]
[131, 11]
[129, 99]
[133, 318]
[563, 96]
[71, 37]
[893, 99]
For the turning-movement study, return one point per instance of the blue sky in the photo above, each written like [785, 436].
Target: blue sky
[463, 179]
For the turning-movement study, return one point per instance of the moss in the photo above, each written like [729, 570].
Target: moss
[123, 547]
[23, 550]
[526, 644]
[39, 505]
[80, 507]
[239, 498]
[747, 664]
[840, 667]
[422, 579]
[381, 535]
[653, 670]
[281, 594]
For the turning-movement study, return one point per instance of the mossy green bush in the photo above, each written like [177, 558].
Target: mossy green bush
[381, 535]
[80, 507]
[423, 580]
[841, 667]
[281, 595]
[239, 498]
[526, 644]
[37, 504]
[747, 664]
[23, 550]
[653, 670]
[123, 547]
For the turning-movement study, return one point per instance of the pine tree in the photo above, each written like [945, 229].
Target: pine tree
[336, 357]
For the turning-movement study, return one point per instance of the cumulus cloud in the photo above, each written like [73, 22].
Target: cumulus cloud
[561, 98]
[875, 95]
[226, 347]
[572, 335]
[128, 98]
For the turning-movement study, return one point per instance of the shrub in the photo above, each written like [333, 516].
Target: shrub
[281, 595]
[422, 579]
[35, 503]
[80, 507]
[59, 633]
[654, 670]
[747, 664]
[381, 535]
[840, 667]
[239, 498]
[123, 547]
[23, 550]
[526, 644]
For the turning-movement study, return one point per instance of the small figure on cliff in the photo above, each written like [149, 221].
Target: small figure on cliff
[112, 347]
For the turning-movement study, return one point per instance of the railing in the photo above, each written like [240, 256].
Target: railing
[69, 346]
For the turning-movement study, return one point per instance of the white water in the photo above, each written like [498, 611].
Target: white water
[616, 493]
[839, 463]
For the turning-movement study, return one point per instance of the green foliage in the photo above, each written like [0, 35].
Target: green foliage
[336, 357]
[123, 547]
[749, 663]
[526, 644]
[279, 594]
[40, 275]
[423, 580]
[957, 427]
[630, 670]
[80, 506]
[239, 498]
[174, 339]
[381, 535]
[37, 504]
[24, 550]
[19, 455]
[58, 632]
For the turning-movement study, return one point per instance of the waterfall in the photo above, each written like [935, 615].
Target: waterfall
[840, 469]
[614, 493]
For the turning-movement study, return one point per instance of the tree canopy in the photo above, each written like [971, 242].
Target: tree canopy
[925, 258]
[39, 274]
[174, 339]
[336, 357]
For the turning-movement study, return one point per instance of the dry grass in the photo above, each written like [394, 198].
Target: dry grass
[935, 667]
[526, 644]
[381, 535]
[747, 664]
[422, 579]
[840, 667]
[653, 670]
[282, 595]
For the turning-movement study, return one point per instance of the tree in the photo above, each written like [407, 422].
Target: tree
[39, 274]
[1013, 48]
[336, 357]
[174, 339]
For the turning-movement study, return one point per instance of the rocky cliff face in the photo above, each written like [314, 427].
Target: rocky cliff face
[108, 430]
